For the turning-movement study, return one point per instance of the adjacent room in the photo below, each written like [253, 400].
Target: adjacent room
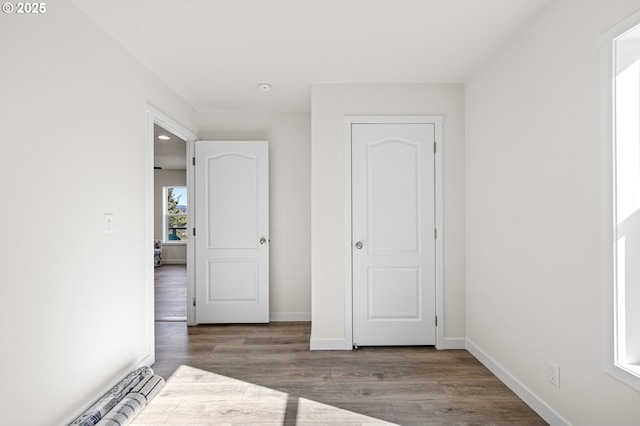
[153, 150]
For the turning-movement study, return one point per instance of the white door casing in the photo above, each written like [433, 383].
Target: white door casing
[155, 116]
[232, 231]
[393, 225]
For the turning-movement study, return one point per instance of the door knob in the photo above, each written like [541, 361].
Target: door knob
[263, 240]
[358, 245]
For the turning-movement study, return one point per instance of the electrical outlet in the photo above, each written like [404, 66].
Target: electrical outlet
[108, 223]
[553, 374]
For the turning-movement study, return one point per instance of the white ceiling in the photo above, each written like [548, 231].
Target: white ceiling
[168, 154]
[214, 52]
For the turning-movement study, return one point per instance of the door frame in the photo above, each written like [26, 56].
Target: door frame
[155, 116]
[437, 121]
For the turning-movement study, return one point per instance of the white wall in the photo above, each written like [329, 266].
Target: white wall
[330, 103]
[171, 252]
[533, 212]
[73, 305]
[289, 136]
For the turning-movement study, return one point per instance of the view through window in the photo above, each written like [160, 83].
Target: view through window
[175, 217]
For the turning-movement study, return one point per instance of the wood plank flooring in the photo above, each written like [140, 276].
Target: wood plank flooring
[266, 374]
[170, 293]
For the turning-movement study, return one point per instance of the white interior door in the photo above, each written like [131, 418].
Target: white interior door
[393, 242]
[232, 232]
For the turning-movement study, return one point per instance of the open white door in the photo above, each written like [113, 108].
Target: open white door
[232, 231]
[393, 223]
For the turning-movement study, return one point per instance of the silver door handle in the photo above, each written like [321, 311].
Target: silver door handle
[263, 240]
[359, 245]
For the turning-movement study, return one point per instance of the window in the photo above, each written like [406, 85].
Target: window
[621, 190]
[175, 214]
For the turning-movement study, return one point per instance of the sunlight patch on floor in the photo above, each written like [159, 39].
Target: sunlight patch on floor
[194, 396]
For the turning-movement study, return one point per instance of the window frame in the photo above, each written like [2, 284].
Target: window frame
[612, 364]
[166, 216]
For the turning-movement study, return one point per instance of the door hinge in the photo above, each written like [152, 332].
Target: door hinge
[193, 161]
[434, 147]
[194, 301]
[435, 233]
[194, 232]
[436, 315]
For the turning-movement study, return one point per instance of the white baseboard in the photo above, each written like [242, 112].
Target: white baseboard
[289, 316]
[531, 399]
[455, 343]
[328, 345]
[174, 262]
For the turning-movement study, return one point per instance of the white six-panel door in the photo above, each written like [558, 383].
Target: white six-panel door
[393, 224]
[232, 232]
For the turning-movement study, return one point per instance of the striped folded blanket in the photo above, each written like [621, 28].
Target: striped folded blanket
[131, 405]
[149, 387]
[98, 410]
[124, 411]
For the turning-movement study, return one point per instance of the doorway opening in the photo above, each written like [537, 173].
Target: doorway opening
[170, 211]
[157, 119]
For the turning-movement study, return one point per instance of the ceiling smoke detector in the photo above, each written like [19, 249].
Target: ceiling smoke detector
[265, 86]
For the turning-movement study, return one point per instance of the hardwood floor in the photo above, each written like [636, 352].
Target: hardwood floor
[170, 282]
[266, 374]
